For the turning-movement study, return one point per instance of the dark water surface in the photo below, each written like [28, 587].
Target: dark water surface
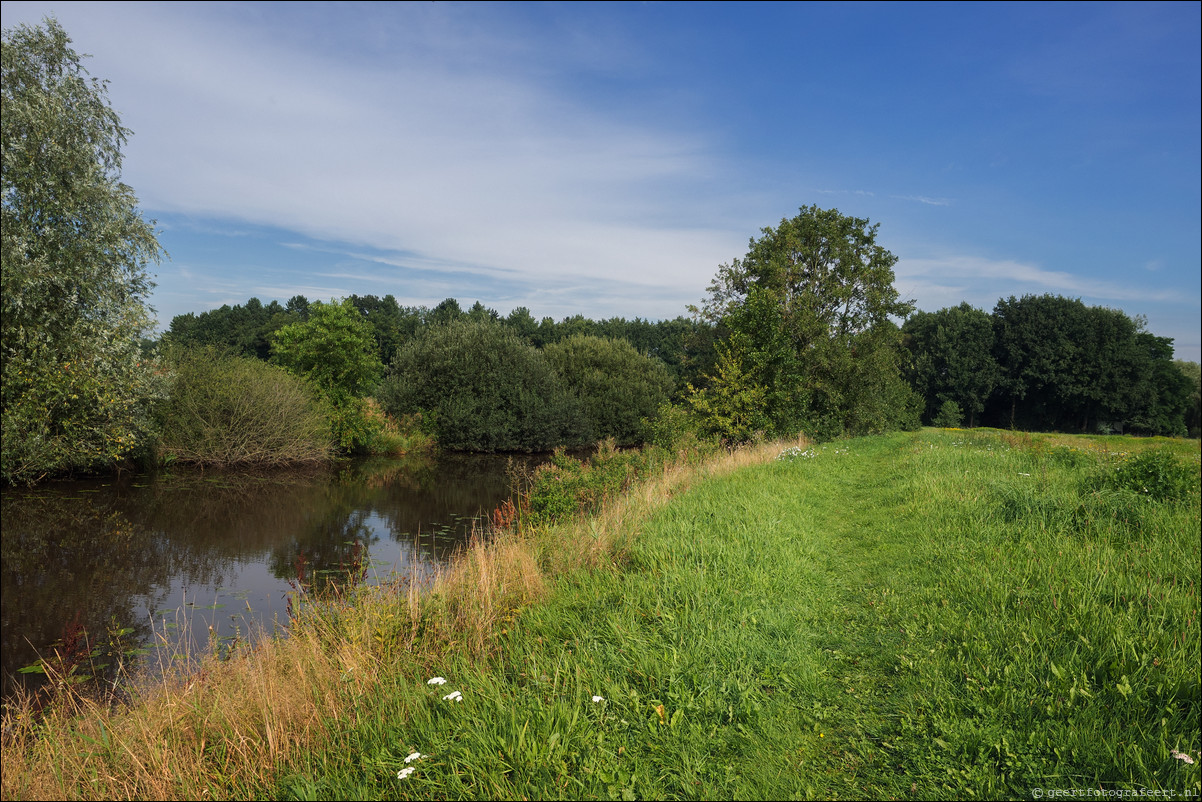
[184, 552]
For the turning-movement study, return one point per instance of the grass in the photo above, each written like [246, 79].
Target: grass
[946, 614]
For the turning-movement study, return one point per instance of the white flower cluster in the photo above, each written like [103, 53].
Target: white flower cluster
[796, 452]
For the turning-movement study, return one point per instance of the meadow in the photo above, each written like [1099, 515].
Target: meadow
[940, 614]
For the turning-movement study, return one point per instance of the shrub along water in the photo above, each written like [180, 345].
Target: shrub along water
[929, 615]
[226, 410]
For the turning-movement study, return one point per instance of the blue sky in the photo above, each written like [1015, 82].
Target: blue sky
[605, 159]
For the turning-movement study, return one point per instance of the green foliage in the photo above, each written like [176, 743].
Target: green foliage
[336, 351]
[1158, 474]
[952, 359]
[950, 416]
[1192, 372]
[806, 316]
[619, 388]
[677, 430]
[230, 410]
[242, 329]
[565, 486]
[1068, 366]
[76, 388]
[731, 408]
[485, 389]
[333, 348]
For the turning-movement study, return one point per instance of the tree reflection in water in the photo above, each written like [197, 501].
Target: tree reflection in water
[137, 552]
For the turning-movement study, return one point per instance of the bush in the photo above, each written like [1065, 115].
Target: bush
[227, 410]
[1157, 474]
[565, 486]
[618, 388]
[485, 389]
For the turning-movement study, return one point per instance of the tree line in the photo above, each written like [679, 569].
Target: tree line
[1049, 363]
[804, 334]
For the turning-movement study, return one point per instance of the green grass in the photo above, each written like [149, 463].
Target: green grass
[936, 615]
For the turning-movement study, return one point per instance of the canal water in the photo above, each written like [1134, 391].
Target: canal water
[187, 561]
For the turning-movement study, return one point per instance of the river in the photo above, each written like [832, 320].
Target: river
[189, 560]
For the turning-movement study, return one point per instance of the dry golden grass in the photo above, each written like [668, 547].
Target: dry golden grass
[223, 730]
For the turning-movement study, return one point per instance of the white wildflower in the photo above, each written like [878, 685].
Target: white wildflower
[403, 773]
[414, 756]
[453, 696]
[1182, 756]
[437, 681]
[598, 698]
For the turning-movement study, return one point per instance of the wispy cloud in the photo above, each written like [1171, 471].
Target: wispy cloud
[861, 192]
[924, 199]
[484, 166]
[952, 279]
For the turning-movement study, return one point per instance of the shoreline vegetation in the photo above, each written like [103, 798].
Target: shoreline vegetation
[933, 614]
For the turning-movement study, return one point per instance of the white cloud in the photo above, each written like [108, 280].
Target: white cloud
[476, 166]
[982, 281]
[924, 199]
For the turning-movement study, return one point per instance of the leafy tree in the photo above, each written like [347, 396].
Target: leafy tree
[811, 303]
[485, 388]
[335, 350]
[952, 359]
[1192, 372]
[243, 329]
[390, 325]
[1077, 367]
[446, 312]
[1033, 342]
[617, 386]
[76, 388]
[732, 407]
[523, 323]
[949, 415]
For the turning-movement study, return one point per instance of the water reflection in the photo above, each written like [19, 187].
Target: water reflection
[200, 552]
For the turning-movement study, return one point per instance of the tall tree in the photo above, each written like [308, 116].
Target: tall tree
[75, 384]
[952, 358]
[336, 351]
[811, 303]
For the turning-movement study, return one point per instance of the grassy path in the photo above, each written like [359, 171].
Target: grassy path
[939, 615]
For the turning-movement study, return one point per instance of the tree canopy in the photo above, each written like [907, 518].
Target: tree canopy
[805, 324]
[76, 387]
[485, 389]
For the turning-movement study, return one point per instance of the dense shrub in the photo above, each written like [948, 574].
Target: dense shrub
[227, 410]
[1158, 474]
[618, 387]
[485, 389]
[565, 486]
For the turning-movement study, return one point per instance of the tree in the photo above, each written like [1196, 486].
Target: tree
[485, 388]
[952, 359]
[1192, 372]
[76, 387]
[335, 350]
[618, 387]
[1075, 367]
[807, 314]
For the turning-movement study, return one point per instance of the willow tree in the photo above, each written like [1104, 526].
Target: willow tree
[807, 316]
[76, 387]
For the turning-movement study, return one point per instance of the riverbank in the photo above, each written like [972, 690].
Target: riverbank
[933, 615]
